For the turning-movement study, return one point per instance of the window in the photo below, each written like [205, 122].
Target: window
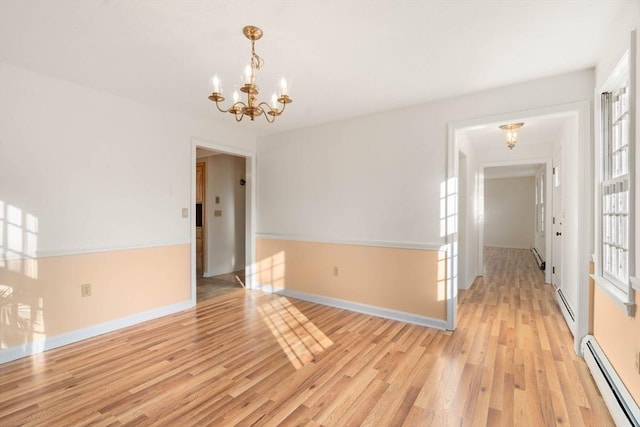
[615, 186]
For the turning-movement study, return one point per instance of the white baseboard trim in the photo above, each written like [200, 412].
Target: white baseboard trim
[624, 410]
[371, 310]
[66, 338]
[566, 311]
[470, 281]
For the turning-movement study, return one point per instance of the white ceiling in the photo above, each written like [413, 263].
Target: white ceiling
[343, 58]
[515, 171]
[536, 130]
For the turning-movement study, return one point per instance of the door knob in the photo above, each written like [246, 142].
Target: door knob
[558, 233]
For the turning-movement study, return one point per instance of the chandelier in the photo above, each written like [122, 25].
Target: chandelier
[252, 107]
[511, 133]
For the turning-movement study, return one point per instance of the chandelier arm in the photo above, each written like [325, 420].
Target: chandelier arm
[271, 114]
[284, 105]
[268, 107]
[266, 116]
[222, 110]
[264, 112]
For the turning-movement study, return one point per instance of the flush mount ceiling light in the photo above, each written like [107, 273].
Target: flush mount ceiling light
[511, 133]
[252, 108]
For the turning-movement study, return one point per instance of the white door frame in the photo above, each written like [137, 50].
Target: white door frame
[581, 111]
[556, 194]
[250, 211]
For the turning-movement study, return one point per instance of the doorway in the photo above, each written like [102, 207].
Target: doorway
[513, 198]
[572, 136]
[222, 227]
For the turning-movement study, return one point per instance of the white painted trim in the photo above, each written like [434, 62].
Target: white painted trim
[571, 323]
[528, 248]
[585, 221]
[451, 236]
[382, 244]
[250, 206]
[470, 281]
[611, 388]
[624, 301]
[371, 310]
[48, 253]
[223, 149]
[635, 283]
[66, 338]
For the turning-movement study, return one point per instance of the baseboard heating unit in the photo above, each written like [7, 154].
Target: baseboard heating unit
[624, 410]
[539, 259]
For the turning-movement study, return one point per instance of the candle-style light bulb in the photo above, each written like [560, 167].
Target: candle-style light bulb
[274, 101]
[236, 96]
[216, 84]
[248, 72]
[283, 87]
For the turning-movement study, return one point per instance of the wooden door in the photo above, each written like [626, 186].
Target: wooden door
[200, 216]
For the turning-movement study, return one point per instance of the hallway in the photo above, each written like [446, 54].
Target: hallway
[513, 328]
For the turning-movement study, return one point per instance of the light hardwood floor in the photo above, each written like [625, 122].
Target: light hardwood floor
[244, 358]
[209, 287]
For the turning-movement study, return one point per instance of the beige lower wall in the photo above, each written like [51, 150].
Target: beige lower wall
[41, 298]
[619, 337]
[406, 280]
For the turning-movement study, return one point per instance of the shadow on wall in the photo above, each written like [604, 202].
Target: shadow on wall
[21, 306]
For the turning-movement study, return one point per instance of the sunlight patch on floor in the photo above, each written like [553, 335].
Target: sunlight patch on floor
[298, 337]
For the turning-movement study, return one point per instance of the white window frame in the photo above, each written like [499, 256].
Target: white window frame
[615, 189]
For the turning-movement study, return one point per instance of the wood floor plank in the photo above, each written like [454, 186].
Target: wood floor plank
[246, 358]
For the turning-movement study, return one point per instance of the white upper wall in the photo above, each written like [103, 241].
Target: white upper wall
[97, 171]
[509, 212]
[627, 20]
[378, 178]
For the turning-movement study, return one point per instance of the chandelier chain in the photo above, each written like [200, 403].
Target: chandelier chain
[256, 61]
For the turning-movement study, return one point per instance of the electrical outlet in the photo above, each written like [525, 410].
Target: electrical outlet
[335, 271]
[85, 290]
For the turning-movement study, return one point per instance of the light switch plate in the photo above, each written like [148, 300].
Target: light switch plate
[217, 200]
[185, 212]
[217, 213]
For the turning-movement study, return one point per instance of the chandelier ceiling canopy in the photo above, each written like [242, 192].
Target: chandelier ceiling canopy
[252, 107]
